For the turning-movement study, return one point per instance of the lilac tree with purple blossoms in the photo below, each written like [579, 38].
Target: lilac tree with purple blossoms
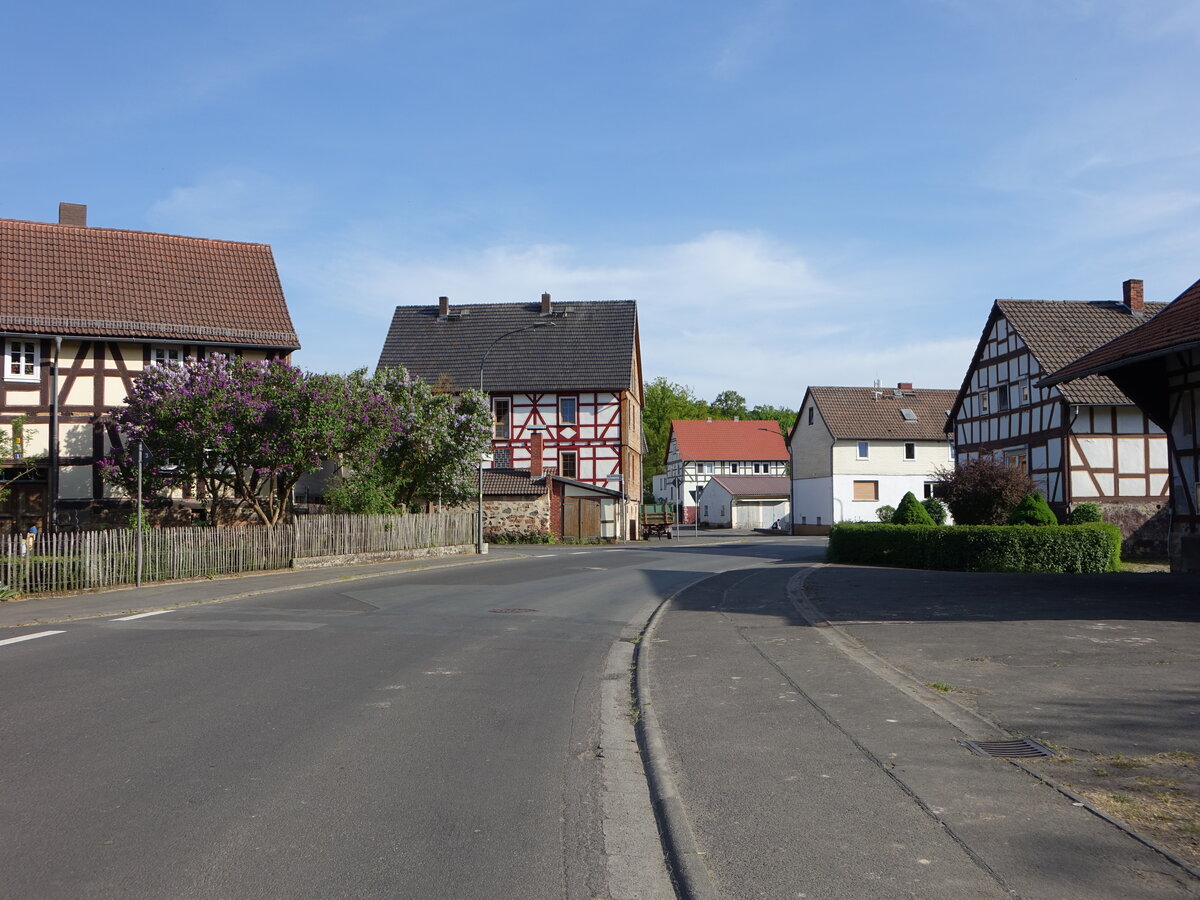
[249, 430]
[434, 459]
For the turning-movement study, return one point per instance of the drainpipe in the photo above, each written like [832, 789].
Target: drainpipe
[53, 474]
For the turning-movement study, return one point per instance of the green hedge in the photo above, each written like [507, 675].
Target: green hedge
[1094, 547]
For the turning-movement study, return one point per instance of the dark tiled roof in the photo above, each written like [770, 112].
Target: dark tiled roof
[512, 482]
[751, 486]
[860, 413]
[592, 346]
[728, 440]
[1058, 332]
[1177, 326]
[105, 282]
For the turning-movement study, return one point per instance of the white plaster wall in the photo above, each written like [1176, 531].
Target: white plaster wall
[812, 498]
[887, 458]
[892, 489]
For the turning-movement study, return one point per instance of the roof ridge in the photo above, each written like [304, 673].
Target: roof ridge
[93, 229]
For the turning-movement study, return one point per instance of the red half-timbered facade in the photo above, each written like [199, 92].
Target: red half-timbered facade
[567, 372]
[1158, 366]
[1086, 441]
[83, 312]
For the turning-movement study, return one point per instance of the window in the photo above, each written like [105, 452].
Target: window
[759, 468]
[502, 458]
[733, 468]
[500, 418]
[24, 358]
[810, 415]
[567, 410]
[1024, 391]
[929, 489]
[1002, 398]
[866, 490]
[707, 468]
[910, 450]
[1018, 460]
[162, 356]
[568, 464]
[864, 450]
[983, 401]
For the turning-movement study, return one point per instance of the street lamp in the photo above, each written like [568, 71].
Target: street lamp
[482, 363]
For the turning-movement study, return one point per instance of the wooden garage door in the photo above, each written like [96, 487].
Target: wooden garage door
[581, 518]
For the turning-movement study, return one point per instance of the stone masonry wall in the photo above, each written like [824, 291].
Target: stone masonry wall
[515, 515]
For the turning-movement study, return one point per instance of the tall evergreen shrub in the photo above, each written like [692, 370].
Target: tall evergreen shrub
[1033, 510]
[911, 512]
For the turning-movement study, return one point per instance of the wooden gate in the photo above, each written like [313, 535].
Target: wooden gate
[581, 518]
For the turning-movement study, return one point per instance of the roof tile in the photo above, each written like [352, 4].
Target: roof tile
[861, 413]
[723, 439]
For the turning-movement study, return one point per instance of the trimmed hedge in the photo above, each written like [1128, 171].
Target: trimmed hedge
[1094, 547]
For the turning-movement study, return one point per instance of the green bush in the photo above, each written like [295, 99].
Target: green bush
[1033, 510]
[1084, 513]
[911, 512]
[1093, 547]
[885, 513]
[936, 509]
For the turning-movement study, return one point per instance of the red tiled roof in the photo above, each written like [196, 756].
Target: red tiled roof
[106, 282]
[878, 413]
[750, 486]
[1177, 326]
[746, 440]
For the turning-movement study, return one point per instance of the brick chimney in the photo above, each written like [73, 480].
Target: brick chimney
[535, 454]
[72, 214]
[443, 306]
[545, 304]
[904, 386]
[1132, 296]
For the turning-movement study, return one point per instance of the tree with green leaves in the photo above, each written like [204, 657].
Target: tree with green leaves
[983, 491]
[911, 512]
[434, 457]
[245, 430]
[1033, 510]
[728, 405]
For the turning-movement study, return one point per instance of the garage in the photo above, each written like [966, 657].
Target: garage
[744, 501]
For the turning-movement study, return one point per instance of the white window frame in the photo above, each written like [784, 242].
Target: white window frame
[166, 351]
[733, 468]
[24, 354]
[907, 445]
[864, 450]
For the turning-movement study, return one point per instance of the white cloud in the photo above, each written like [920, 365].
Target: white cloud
[725, 309]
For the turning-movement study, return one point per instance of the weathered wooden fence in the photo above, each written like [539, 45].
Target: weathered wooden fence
[98, 559]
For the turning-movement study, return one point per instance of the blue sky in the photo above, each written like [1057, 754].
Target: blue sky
[795, 192]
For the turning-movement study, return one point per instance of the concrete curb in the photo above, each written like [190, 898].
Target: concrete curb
[691, 876]
[961, 717]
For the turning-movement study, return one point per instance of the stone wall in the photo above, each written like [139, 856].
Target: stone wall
[515, 515]
[1144, 528]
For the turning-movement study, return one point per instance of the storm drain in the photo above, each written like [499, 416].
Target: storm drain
[513, 610]
[1024, 748]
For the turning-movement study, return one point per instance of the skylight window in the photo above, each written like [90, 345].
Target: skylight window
[909, 415]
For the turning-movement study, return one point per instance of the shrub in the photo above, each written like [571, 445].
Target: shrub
[984, 491]
[1084, 513]
[885, 513]
[1094, 547]
[911, 512]
[1033, 510]
[936, 509]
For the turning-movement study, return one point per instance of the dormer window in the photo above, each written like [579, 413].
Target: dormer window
[24, 361]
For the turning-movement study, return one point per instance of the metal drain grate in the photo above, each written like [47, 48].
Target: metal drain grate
[513, 610]
[1024, 748]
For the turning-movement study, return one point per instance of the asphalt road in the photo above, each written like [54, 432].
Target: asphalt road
[431, 734]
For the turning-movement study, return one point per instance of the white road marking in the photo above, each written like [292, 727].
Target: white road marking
[580, 552]
[142, 615]
[544, 556]
[30, 637]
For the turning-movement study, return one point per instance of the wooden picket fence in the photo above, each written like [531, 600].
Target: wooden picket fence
[98, 559]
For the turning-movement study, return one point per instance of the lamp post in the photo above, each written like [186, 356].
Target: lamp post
[482, 363]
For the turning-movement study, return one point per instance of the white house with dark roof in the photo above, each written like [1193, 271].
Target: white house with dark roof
[1081, 440]
[854, 449]
[564, 379]
[744, 501]
[83, 310]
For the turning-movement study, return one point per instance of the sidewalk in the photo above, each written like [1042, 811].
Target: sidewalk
[805, 773]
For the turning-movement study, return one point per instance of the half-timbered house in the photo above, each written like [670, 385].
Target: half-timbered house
[698, 450]
[568, 371]
[1083, 440]
[83, 310]
[1157, 365]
